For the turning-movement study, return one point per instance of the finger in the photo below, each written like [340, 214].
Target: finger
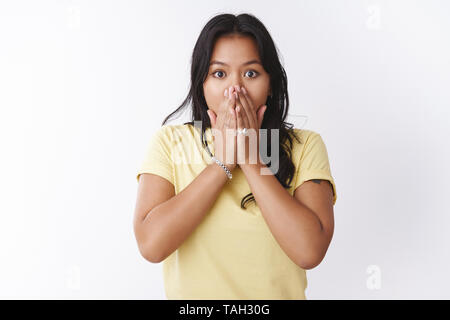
[248, 105]
[260, 114]
[231, 99]
[244, 119]
[232, 112]
[240, 138]
[212, 117]
[239, 101]
[230, 117]
[233, 119]
[228, 91]
[228, 109]
[239, 120]
[226, 124]
[227, 114]
[229, 125]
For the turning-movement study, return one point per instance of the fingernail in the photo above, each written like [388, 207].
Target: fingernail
[237, 108]
[243, 89]
[237, 88]
[225, 93]
[235, 95]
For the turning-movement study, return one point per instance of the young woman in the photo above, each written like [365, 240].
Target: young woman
[226, 227]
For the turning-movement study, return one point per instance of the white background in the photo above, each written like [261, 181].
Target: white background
[84, 84]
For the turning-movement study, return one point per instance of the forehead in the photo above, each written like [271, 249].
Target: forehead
[235, 49]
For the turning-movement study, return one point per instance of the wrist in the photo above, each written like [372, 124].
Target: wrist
[226, 168]
[251, 166]
[229, 165]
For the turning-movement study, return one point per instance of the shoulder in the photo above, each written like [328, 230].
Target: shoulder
[175, 136]
[173, 131]
[309, 144]
[304, 133]
[304, 137]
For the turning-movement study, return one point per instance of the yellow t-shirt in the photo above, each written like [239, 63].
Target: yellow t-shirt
[231, 254]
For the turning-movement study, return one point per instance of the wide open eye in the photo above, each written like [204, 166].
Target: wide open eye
[217, 72]
[256, 73]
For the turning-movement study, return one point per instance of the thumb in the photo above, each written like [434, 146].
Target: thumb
[212, 117]
[261, 112]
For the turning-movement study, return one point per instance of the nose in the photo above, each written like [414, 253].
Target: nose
[235, 81]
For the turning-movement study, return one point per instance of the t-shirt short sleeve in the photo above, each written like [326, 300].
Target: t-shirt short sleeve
[158, 158]
[314, 163]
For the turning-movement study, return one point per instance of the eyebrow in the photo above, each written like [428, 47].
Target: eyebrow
[244, 64]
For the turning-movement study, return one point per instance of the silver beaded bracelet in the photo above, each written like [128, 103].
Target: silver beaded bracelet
[227, 171]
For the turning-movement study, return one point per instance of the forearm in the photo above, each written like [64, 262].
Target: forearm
[167, 225]
[296, 228]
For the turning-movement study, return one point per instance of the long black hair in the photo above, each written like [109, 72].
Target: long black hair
[277, 104]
